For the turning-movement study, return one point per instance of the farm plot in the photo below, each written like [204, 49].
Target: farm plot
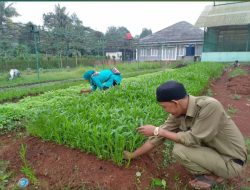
[29, 85]
[103, 122]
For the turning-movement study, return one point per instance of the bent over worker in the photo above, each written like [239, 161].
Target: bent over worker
[14, 73]
[102, 80]
[207, 142]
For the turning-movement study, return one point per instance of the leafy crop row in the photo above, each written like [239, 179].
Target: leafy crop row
[13, 93]
[102, 122]
[105, 122]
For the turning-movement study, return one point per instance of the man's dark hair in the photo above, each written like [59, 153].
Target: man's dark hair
[171, 90]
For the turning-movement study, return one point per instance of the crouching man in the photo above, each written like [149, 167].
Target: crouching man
[207, 142]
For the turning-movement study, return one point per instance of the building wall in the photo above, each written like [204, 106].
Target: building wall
[226, 56]
[117, 55]
[198, 49]
[227, 44]
[149, 53]
[227, 39]
[167, 52]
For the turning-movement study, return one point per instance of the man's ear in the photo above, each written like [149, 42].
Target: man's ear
[176, 102]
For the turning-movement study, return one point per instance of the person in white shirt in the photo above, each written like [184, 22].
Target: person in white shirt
[14, 73]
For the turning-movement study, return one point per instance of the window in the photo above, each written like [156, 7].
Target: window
[169, 53]
[182, 51]
[154, 52]
[148, 52]
[142, 52]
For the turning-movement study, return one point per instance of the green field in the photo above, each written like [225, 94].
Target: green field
[102, 122]
[29, 84]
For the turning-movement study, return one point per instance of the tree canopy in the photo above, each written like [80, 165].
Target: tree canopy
[62, 34]
[145, 32]
[6, 12]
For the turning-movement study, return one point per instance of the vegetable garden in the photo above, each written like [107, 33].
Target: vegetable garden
[54, 79]
[103, 122]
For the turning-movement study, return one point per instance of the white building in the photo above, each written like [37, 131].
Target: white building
[176, 42]
[114, 55]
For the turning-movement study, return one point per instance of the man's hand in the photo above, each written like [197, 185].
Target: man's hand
[147, 130]
[127, 155]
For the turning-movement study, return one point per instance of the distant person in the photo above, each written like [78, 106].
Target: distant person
[102, 80]
[236, 63]
[207, 141]
[14, 73]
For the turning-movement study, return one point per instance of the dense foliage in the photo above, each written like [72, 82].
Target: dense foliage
[62, 41]
[104, 122]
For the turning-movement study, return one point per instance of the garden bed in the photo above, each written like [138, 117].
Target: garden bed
[60, 167]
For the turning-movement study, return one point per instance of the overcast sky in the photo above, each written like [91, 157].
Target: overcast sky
[133, 15]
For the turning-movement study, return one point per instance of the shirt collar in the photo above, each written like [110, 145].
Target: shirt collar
[191, 110]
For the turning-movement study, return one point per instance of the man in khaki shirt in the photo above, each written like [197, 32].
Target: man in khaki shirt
[207, 141]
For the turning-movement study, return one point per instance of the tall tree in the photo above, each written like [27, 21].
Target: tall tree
[8, 31]
[25, 36]
[66, 34]
[75, 20]
[57, 20]
[6, 12]
[115, 37]
[145, 32]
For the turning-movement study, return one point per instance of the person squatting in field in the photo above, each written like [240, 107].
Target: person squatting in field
[207, 141]
[102, 80]
[14, 73]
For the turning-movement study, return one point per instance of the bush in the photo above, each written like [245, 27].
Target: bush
[45, 62]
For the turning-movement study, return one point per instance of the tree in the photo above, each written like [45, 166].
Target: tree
[75, 20]
[113, 33]
[145, 32]
[6, 12]
[6, 25]
[57, 20]
[21, 51]
[25, 36]
[115, 37]
[8, 31]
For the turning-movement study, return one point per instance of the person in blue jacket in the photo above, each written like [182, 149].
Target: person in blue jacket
[102, 80]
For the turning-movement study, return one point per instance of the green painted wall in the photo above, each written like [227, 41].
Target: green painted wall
[226, 56]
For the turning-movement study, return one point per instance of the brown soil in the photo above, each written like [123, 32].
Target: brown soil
[60, 167]
[235, 93]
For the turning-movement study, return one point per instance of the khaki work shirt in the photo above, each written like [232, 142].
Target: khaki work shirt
[206, 124]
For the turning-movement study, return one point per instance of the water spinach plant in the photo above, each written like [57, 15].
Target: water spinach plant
[105, 122]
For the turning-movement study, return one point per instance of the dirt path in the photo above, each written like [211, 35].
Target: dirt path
[234, 94]
[58, 167]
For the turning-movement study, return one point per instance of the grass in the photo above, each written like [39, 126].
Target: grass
[29, 85]
[30, 76]
[106, 129]
[158, 183]
[45, 75]
[15, 93]
[209, 92]
[167, 153]
[26, 168]
[231, 110]
[5, 175]
[237, 72]
[236, 96]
